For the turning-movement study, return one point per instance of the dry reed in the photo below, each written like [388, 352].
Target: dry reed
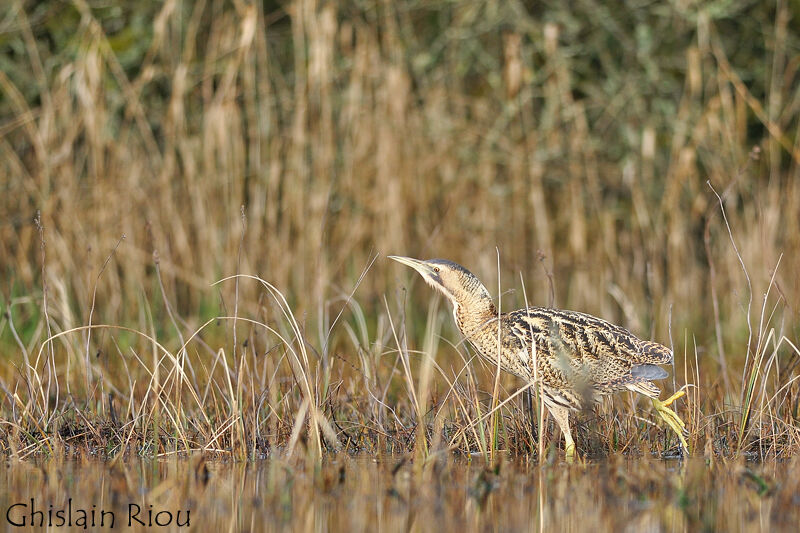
[339, 133]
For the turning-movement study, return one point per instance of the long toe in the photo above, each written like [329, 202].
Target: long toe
[673, 421]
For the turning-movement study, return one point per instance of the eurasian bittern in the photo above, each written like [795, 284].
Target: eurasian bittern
[578, 357]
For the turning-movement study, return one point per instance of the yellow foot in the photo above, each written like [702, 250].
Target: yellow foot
[569, 452]
[671, 417]
[668, 401]
[571, 456]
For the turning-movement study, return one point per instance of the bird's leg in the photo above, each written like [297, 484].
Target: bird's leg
[668, 401]
[561, 414]
[531, 413]
[671, 417]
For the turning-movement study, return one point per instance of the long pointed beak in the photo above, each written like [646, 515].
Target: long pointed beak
[416, 264]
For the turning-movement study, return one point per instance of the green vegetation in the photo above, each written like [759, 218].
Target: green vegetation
[637, 162]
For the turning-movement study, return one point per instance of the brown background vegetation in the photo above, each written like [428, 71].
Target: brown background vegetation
[298, 141]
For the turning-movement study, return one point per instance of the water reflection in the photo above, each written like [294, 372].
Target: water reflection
[398, 494]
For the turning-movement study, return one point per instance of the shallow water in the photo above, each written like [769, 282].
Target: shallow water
[397, 494]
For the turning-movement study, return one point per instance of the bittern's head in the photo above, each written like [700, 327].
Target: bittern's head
[460, 285]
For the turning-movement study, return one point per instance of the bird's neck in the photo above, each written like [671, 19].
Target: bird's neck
[473, 312]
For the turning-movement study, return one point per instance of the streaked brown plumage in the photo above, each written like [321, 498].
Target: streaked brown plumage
[578, 357]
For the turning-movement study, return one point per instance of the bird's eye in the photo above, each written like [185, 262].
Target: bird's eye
[436, 269]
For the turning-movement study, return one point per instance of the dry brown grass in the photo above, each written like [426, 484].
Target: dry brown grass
[301, 146]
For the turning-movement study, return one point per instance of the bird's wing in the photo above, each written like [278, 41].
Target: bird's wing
[575, 347]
